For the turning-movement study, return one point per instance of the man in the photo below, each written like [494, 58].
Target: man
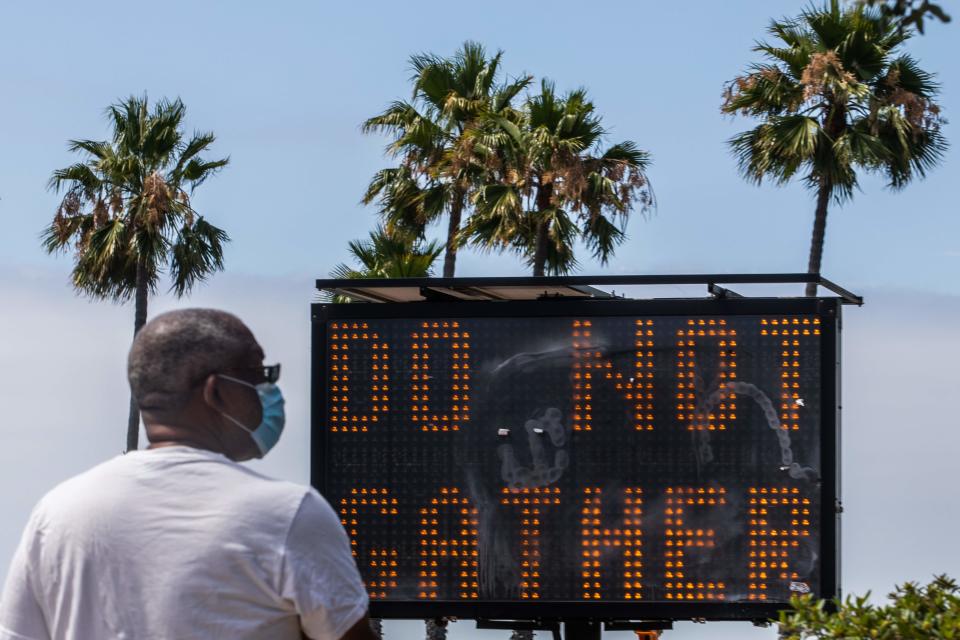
[178, 540]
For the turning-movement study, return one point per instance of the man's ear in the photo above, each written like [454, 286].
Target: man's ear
[211, 393]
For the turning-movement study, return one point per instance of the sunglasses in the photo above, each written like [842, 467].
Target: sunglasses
[266, 373]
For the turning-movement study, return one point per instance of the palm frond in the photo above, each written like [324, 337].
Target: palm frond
[197, 144]
[197, 171]
[905, 73]
[830, 25]
[196, 254]
[628, 153]
[602, 237]
[398, 115]
[78, 175]
[96, 148]
[563, 234]
[912, 150]
[386, 255]
[765, 151]
[104, 267]
[795, 59]
[505, 94]
[65, 229]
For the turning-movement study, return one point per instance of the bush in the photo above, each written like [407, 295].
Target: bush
[914, 612]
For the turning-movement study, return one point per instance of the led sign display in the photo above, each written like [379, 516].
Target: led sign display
[570, 457]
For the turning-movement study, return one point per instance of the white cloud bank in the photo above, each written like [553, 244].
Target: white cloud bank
[64, 399]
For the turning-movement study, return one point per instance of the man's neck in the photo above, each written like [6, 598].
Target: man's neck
[193, 444]
[163, 435]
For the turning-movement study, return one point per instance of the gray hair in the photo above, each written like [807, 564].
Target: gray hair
[175, 351]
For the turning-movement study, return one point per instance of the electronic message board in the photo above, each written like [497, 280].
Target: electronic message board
[616, 458]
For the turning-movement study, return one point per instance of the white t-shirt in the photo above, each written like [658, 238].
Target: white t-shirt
[175, 543]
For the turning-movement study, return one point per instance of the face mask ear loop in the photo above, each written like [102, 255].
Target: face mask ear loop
[227, 415]
[236, 422]
[237, 380]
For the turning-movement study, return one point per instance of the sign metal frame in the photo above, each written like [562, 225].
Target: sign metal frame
[827, 309]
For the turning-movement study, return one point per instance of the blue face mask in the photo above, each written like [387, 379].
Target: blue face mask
[267, 433]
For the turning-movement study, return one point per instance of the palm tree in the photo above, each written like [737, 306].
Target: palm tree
[126, 212]
[389, 255]
[438, 164]
[386, 255]
[554, 185]
[835, 96]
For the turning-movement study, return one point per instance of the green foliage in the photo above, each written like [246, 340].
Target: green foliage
[128, 203]
[836, 95]
[549, 182]
[387, 255]
[910, 13]
[437, 164]
[914, 612]
[533, 180]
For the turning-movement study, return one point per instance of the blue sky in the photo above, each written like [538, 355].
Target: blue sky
[284, 85]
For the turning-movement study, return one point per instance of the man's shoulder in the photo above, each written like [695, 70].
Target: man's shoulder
[256, 486]
[80, 484]
[144, 477]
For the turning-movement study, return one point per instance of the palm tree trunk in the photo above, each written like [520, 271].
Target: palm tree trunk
[834, 123]
[544, 194]
[436, 629]
[540, 255]
[453, 233]
[139, 319]
[819, 232]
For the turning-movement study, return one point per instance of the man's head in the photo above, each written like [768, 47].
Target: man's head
[185, 370]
